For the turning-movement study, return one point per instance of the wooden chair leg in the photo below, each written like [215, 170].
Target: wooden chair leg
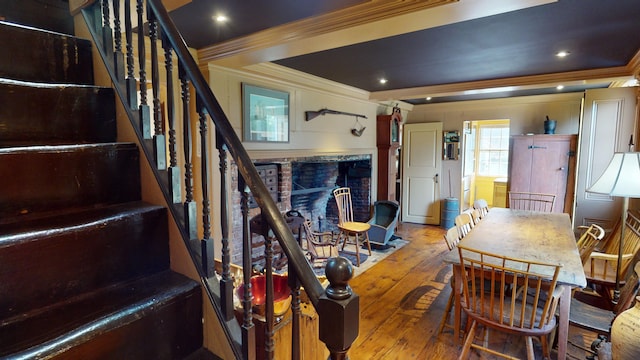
[530, 353]
[447, 312]
[485, 339]
[357, 249]
[545, 347]
[464, 354]
[553, 338]
[366, 235]
[345, 237]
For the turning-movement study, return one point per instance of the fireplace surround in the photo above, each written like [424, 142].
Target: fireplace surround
[306, 184]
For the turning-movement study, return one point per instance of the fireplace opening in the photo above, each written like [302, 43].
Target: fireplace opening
[306, 184]
[313, 183]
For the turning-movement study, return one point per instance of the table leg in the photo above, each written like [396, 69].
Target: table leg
[456, 288]
[563, 321]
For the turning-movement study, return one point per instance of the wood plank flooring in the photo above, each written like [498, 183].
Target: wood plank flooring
[402, 300]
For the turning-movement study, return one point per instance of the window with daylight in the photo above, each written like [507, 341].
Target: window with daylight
[493, 149]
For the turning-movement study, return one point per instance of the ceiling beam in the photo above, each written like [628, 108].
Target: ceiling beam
[369, 21]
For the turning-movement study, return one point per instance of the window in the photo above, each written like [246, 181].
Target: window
[493, 149]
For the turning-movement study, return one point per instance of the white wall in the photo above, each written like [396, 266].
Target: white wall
[526, 115]
[328, 134]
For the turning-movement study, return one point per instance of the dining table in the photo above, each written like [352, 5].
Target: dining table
[528, 235]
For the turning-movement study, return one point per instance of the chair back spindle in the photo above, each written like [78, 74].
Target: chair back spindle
[531, 201]
[464, 223]
[482, 206]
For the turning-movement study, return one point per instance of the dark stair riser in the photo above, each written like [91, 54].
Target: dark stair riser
[50, 15]
[40, 269]
[157, 317]
[42, 179]
[32, 114]
[31, 55]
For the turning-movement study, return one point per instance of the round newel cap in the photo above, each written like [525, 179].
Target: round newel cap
[338, 272]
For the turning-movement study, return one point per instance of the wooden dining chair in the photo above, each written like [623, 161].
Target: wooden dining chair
[598, 320]
[348, 227]
[475, 216]
[464, 223]
[320, 245]
[531, 201]
[588, 241]
[602, 265]
[482, 206]
[510, 295]
[452, 239]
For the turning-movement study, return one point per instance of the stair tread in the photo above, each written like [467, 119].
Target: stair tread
[57, 148]
[39, 30]
[18, 82]
[77, 319]
[24, 228]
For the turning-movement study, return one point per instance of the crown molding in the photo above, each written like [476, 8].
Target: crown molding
[501, 102]
[284, 77]
[634, 65]
[514, 83]
[308, 81]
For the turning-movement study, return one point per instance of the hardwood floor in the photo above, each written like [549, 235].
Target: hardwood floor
[402, 300]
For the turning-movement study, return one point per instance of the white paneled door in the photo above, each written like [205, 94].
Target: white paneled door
[422, 163]
[607, 125]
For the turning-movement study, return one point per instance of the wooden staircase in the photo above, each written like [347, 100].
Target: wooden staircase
[84, 263]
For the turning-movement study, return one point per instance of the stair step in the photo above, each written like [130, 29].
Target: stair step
[84, 263]
[40, 179]
[47, 57]
[38, 114]
[45, 261]
[155, 317]
[50, 15]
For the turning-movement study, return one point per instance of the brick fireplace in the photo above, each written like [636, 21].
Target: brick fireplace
[306, 184]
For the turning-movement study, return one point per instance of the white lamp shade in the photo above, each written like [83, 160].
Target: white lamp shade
[621, 178]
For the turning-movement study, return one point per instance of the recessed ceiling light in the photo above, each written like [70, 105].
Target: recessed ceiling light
[428, 98]
[562, 54]
[383, 81]
[220, 18]
[559, 87]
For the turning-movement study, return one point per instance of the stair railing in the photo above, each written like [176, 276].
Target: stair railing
[167, 141]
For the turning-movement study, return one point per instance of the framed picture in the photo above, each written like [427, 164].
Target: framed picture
[451, 143]
[265, 114]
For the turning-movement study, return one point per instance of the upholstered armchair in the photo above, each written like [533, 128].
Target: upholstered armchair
[384, 221]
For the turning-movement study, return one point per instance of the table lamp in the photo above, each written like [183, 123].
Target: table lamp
[621, 178]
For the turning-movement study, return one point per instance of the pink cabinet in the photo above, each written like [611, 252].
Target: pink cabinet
[544, 164]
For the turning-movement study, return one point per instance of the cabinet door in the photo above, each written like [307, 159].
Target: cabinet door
[520, 167]
[549, 167]
[540, 164]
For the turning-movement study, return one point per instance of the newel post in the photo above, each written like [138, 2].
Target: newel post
[338, 309]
